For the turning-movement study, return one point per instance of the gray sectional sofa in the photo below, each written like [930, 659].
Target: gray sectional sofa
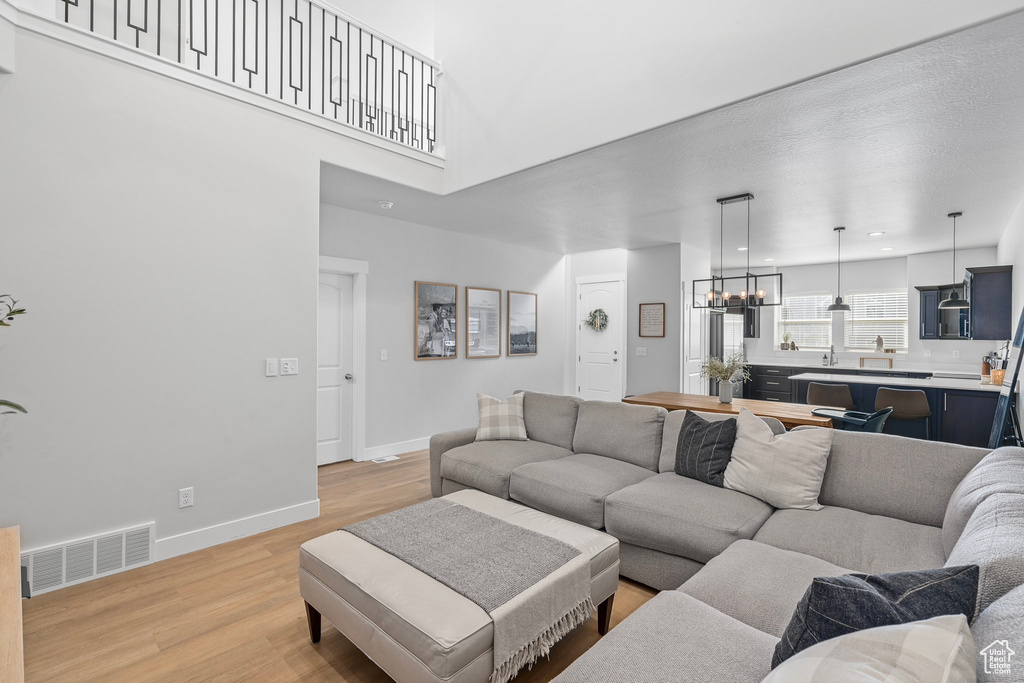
[733, 568]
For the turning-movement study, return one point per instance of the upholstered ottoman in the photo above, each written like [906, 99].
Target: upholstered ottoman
[414, 627]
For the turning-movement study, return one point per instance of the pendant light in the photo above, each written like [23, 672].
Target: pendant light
[954, 300]
[839, 305]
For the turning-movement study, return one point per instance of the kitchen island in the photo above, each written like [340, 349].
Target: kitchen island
[962, 409]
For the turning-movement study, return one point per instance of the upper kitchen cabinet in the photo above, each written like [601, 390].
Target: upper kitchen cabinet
[989, 291]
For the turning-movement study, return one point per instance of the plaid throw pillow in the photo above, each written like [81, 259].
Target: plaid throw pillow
[501, 419]
[936, 649]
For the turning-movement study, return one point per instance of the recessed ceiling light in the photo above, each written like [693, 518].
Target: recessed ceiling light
[769, 259]
[741, 248]
[876, 233]
[886, 248]
[385, 204]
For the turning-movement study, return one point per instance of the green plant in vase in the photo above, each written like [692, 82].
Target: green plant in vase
[8, 310]
[732, 369]
[786, 338]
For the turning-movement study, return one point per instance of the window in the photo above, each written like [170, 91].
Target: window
[874, 314]
[807, 319]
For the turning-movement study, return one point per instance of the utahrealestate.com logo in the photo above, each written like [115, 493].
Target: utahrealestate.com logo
[997, 657]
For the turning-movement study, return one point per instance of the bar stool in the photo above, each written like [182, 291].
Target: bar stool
[907, 404]
[837, 395]
[853, 421]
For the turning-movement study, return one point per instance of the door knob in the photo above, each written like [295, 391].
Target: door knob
[615, 360]
[348, 375]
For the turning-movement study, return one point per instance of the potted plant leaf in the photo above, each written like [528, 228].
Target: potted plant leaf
[784, 345]
[9, 309]
[732, 369]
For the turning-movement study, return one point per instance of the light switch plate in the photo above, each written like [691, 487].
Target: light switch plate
[289, 366]
[383, 354]
[271, 367]
[641, 350]
[956, 353]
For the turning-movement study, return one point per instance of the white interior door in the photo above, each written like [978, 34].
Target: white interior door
[600, 361]
[695, 337]
[334, 369]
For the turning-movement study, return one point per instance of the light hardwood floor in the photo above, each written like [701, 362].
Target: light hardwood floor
[233, 612]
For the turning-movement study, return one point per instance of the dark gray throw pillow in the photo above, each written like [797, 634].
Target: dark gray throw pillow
[704, 448]
[836, 605]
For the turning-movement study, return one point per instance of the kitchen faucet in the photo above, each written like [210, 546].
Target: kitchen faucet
[832, 360]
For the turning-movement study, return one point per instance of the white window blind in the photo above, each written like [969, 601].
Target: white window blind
[806, 317]
[874, 314]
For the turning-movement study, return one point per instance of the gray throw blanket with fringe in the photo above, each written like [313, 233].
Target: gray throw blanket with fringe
[535, 588]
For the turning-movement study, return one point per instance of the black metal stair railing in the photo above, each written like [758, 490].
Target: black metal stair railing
[295, 51]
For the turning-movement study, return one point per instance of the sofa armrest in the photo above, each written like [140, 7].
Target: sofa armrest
[439, 444]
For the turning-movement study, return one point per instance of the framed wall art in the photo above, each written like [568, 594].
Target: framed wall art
[483, 322]
[652, 320]
[522, 324]
[437, 316]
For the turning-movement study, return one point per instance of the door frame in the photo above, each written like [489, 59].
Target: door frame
[359, 270]
[624, 339]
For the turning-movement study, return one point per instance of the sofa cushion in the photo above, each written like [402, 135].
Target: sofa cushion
[674, 422]
[758, 584]
[1001, 624]
[500, 420]
[937, 649]
[893, 476]
[674, 638]
[1001, 471]
[487, 465]
[783, 470]
[994, 540]
[619, 430]
[574, 487]
[833, 606]
[865, 543]
[704, 448]
[550, 418]
[683, 516]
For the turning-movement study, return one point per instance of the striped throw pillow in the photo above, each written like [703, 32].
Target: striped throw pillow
[936, 649]
[704, 448]
[500, 420]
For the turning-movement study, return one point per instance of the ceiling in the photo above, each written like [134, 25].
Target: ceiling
[892, 145]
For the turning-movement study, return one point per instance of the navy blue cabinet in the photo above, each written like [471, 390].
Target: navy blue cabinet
[930, 314]
[967, 416]
[991, 290]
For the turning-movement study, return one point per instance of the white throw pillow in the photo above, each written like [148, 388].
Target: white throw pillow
[499, 419]
[936, 650]
[783, 470]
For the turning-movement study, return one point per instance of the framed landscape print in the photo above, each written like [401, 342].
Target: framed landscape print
[522, 324]
[437, 315]
[483, 322]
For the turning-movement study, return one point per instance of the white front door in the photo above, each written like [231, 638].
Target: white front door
[334, 369]
[600, 362]
[695, 334]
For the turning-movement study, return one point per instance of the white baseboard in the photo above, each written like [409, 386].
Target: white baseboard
[191, 541]
[396, 448]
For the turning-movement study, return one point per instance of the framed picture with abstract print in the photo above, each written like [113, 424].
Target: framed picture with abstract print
[522, 324]
[483, 322]
[437, 315]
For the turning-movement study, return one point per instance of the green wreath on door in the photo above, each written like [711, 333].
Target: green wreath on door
[597, 320]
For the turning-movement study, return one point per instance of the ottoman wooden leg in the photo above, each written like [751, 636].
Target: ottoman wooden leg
[313, 618]
[604, 615]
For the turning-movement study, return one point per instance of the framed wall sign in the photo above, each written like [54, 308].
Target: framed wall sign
[522, 324]
[483, 322]
[437, 315]
[652, 320]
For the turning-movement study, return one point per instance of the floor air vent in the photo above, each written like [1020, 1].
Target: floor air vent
[83, 559]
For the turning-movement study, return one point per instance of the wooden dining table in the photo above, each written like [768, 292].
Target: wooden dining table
[789, 414]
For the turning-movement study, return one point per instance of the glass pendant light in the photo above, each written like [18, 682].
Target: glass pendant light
[954, 300]
[839, 305]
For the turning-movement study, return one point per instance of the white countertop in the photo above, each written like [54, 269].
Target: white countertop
[898, 366]
[934, 383]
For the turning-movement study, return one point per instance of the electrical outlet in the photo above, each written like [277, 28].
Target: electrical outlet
[289, 366]
[927, 353]
[383, 354]
[186, 498]
[271, 367]
[956, 353]
[641, 350]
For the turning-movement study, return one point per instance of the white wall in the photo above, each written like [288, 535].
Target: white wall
[410, 22]
[409, 400]
[653, 277]
[164, 240]
[917, 269]
[511, 105]
[1011, 252]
